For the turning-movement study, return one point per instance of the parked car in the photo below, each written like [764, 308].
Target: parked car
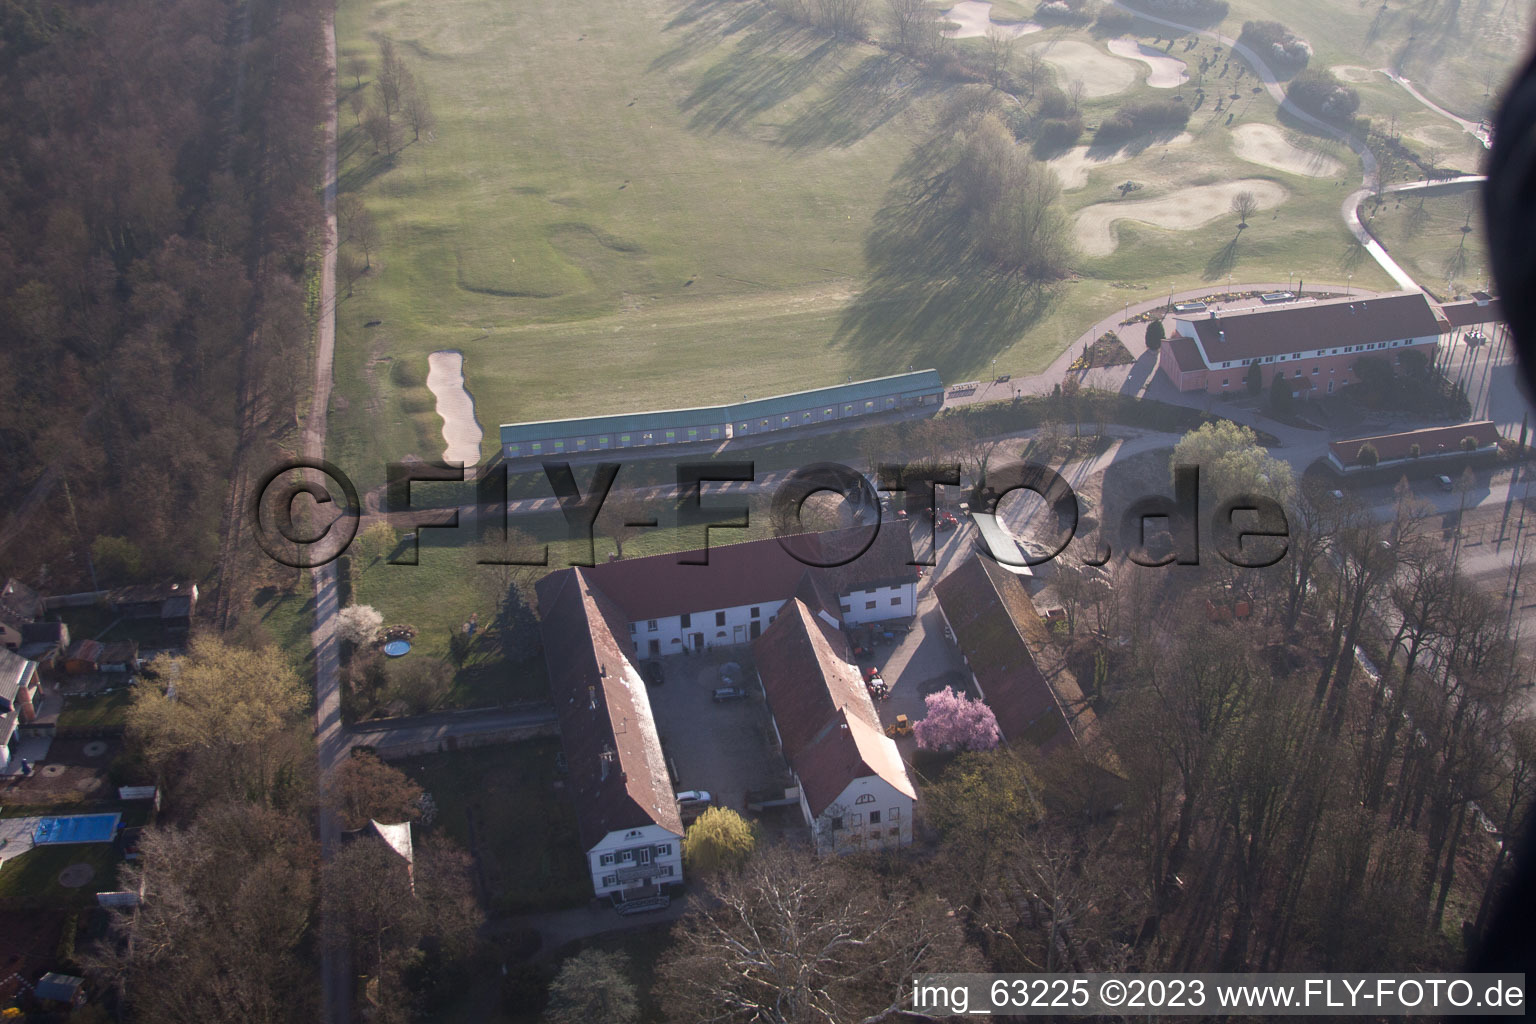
[653, 673]
[694, 798]
[1445, 482]
[728, 693]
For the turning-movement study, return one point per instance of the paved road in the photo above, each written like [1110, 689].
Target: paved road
[1478, 130]
[1351, 211]
[330, 735]
[436, 728]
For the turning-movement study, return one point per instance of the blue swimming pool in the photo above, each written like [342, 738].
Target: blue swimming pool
[76, 828]
[395, 648]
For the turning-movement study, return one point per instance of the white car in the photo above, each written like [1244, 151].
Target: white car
[694, 798]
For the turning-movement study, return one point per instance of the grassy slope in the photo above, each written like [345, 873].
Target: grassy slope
[1423, 234]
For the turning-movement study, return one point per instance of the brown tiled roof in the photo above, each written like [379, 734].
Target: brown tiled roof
[754, 572]
[1313, 325]
[1185, 352]
[618, 774]
[847, 749]
[1431, 441]
[84, 650]
[806, 678]
[1034, 696]
[1472, 312]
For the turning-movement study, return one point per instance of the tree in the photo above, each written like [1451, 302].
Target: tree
[1254, 379]
[358, 624]
[375, 542]
[365, 233]
[1367, 456]
[1281, 394]
[914, 25]
[117, 559]
[593, 985]
[1156, 334]
[1469, 443]
[720, 840]
[416, 108]
[796, 939]
[357, 103]
[999, 55]
[1009, 200]
[364, 788]
[225, 707]
[1233, 463]
[953, 721]
[1244, 204]
[357, 67]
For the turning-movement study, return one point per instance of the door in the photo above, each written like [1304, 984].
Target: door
[698, 641]
[739, 635]
[655, 648]
[756, 630]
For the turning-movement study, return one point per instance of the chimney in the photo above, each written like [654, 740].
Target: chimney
[1221, 336]
[1213, 315]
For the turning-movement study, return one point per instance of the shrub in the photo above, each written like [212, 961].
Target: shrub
[1368, 456]
[1058, 133]
[1133, 119]
[1053, 103]
[1276, 43]
[1319, 93]
[1156, 334]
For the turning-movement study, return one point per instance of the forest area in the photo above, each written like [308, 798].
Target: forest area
[158, 223]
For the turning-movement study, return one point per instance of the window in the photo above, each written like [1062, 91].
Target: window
[650, 624]
[1296, 374]
[633, 628]
[610, 880]
[829, 413]
[757, 612]
[806, 416]
[866, 798]
[896, 602]
[869, 406]
[1223, 382]
[692, 434]
[894, 814]
[581, 442]
[847, 604]
[665, 871]
[874, 817]
[848, 409]
[855, 820]
[625, 856]
[1315, 369]
[784, 420]
[1226, 365]
[687, 620]
[623, 439]
[870, 605]
[836, 823]
[719, 618]
[671, 435]
[536, 447]
[512, 449]
[602, 441]
[664, 849]
[605, 860]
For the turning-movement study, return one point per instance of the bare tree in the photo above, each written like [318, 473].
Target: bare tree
[1244, 204]
[999, 56]
[357, 67]
[417, 108]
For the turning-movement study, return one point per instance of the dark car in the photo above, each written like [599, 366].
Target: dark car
[653, 673]
[728, 693]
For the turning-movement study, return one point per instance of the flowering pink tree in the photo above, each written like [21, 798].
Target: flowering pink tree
[955, 722]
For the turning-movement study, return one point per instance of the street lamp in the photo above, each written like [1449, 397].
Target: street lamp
[1349, 281]
[1288, 275]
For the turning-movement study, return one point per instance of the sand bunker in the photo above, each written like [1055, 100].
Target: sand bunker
[1101, 74]
[1182, 211]
[1072, 167]
[974, 18]
[445, 379]
[1167, 73]
[1265, 144]
[1352, 73]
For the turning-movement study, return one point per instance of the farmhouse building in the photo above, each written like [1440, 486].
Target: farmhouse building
[854, 790]
[1417, 447]
[922, 389]
[672, 603]
[627, 818]
[1314, 345]
[1004, 642]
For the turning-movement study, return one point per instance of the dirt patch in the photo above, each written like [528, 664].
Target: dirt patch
[1267, 145]
[973, 18]
[1352, 73]
[1166, 73]
[1100, 73]
[1073, 166]
[1184, 210]
[461, 433]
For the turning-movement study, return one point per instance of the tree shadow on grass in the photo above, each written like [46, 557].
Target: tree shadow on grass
[866, 97]
[929, 300]
[357, 177]
[772, 64]
[701, 24]
[1222, 261]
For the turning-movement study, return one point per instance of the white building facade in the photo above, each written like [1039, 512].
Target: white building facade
[624, 859]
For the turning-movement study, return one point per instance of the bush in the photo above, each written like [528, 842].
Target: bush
[1275, 43]
[1053, 103]
[1319, 93]
[1368, 456]
[1133, 119]
[1058, 133]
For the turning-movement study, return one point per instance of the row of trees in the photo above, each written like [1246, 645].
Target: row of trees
[397, 101]
[233, 866]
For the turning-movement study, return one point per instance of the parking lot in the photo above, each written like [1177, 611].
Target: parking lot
[724, 748]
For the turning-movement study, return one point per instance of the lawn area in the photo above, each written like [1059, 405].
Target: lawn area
[108, 711]
[500, 803]
[1425, 234]
[32, 880]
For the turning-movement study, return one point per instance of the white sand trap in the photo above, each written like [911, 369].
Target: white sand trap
[1101, 74]
[1167, 73]
[445, 379]
[1352, 73]
[1185, 210]
[1265, 144]
[1072, 167]
[973, 18]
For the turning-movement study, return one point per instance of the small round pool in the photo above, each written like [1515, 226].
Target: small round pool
[395, 648]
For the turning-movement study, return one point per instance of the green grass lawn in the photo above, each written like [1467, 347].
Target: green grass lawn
[32, 880]
[91, 714]
[1425, 234]
[500, 803]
